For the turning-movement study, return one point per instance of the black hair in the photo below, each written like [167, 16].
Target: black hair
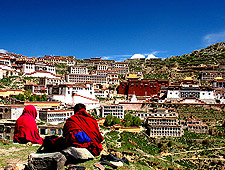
[79, 106]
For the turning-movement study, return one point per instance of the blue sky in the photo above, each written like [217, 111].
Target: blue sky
[111, 29]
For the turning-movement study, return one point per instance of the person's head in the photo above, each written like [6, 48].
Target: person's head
[78, 107]
[31, 110]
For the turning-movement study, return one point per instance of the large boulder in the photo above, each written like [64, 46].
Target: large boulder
[75, 155]
[50, 161]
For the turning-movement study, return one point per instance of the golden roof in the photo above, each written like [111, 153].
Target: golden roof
[132, 76]
[188, 78]
[219, 78]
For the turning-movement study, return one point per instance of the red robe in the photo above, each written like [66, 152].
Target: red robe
[82, 121]
[26, 127]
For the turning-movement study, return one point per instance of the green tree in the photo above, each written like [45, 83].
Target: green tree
[108, 120]
[27, 94]
[137, 121]
[38, 97]
[128, 120]
[21, 97]
[116, 120]
[44, 97]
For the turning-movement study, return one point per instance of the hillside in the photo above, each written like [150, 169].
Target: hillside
[178, 67]
[212, 55]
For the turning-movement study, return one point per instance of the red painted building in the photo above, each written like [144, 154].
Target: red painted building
[142, 87]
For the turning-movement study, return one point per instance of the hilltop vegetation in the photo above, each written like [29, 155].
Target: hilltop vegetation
[177, 67]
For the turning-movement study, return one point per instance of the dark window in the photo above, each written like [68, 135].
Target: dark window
[42, 132]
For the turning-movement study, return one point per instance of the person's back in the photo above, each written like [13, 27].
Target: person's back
[81, 130]
[26, 127]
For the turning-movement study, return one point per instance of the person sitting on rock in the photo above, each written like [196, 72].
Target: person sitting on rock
[26, 127]
[81, 130]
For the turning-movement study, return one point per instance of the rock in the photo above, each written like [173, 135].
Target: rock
[14, 166]
[73, 153]
[117, 163]
[75, 167]
[50, 161]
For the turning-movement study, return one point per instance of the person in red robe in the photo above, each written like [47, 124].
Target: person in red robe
[81, 130]
[26, 127]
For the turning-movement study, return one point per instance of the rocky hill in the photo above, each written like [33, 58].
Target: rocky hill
[213, 55]
[178, 67]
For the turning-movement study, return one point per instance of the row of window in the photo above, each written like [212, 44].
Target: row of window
[198, 127]
[165, 128]
[57, 120]
[166, 134]
[60, 114]
[162, 120]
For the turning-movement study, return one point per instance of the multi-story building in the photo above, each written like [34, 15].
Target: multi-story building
[30, 67]
[74, 93]
[211, 75]
[114, 110]
[113, 78]
[218, 82]
[9, 92]
[102, 66]
[86, 63]
[6, 68]
[85, 78]
[196, 126]
[165, 123]
[68, 60]
[120, 64]
[36, 89]
[55, 116]
[188, 90]
[78, 70]
[104, 93]
[11, 111]
[219, 89]
[120, 70]
[142, 87]
[54, 81]
[143, 115]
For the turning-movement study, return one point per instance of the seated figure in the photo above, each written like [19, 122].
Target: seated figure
[26, 127]
[81, 130]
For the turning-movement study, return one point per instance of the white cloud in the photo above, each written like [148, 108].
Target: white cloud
[213, 38]
[123, 57]
[105, 58]
[150, 56]
[137, 56]
[3, 51]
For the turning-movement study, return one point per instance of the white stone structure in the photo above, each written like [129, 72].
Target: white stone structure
[12, 111]
[102, 66]
[164, 124]
[180, 92]
[65, 92]
[86, 78]
[54, 81]
[115, 110]
[55, 116]
[104, 93]
[30, 67]
[78, 70]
